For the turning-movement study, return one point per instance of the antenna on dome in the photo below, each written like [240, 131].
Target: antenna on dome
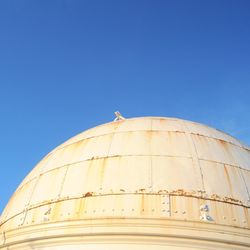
[119, 117]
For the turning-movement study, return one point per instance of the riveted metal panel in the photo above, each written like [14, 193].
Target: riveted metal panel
[185, 208]
[218, 212]
[241, 156]
[199, 129]
[126, 205]
[169, 144]
[168, 172]
[15, 222]
[246, 178]
[57, 159]
[84, 150]
[214, 150]
[244, 158]
[125, 174]
[167, 125]
[97, 147]
[228, 214]
[131, 143]
[48, 186]
[134, 125]
[19, 201]
[38, 215]
[165, 205]
[80, 179]
[223, 181]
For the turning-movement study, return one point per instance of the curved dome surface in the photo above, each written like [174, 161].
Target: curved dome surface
[147, 171]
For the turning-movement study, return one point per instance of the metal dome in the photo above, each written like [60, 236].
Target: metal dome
[142, 183]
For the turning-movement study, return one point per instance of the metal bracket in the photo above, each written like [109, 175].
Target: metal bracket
[119, 117]
[204, 209]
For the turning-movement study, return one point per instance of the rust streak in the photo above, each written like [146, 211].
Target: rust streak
[228, 179]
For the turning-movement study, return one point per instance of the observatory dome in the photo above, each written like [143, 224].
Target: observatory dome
[141, 183]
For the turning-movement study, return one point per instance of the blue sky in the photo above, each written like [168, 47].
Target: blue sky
[66, 66]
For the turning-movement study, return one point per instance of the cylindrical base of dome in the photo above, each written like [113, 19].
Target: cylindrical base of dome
[126, 233]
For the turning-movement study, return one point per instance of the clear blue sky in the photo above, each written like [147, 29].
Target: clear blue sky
[66, 66]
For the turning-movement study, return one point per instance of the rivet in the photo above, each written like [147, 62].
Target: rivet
[153, 210]
[224, 217]
[184, 212]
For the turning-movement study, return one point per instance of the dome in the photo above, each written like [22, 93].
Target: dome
[141, 183]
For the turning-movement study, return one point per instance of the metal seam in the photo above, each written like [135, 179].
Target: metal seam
[174, 131]
[63, 180]
[194, 150]
[110, 144]
[115, 194]
[99, 158]
[243, 178]
[149, 172]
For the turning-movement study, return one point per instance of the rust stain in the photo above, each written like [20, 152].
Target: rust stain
[142, 190]
[162, 192]
[56, 211]
[102, 170]
[89, 172]
[215, 197]
[88, 194]
[232, 200]
[226, 146]
[228, 179]
[182, 192]
[79, 207]
[247, 215]
[142, 208]
[222, 142]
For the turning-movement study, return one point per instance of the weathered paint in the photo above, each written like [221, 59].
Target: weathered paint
[163, 169]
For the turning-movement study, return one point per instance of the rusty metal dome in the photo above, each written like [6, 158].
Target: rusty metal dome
[156, 182]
